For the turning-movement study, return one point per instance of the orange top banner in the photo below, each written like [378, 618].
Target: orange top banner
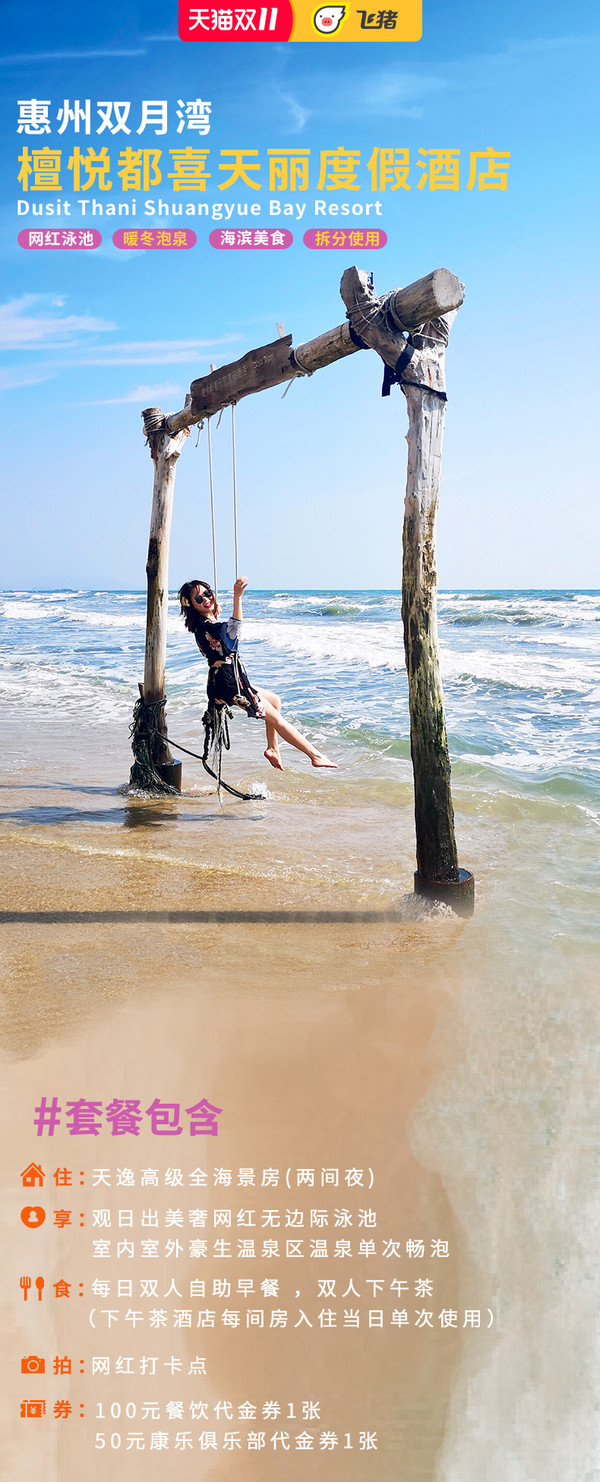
[302, 21]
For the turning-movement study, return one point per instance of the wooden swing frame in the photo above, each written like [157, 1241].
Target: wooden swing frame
[409, 330]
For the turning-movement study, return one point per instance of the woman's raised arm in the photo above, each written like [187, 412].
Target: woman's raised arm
[239, 587]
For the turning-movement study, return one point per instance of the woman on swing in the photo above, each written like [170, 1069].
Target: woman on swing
[228, 683]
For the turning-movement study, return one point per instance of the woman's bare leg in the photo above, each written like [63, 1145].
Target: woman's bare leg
[288, 732]
[272, 752]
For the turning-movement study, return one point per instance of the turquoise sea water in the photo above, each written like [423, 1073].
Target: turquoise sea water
[521, 674]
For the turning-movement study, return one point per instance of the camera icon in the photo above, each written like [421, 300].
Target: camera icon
[33, 1365]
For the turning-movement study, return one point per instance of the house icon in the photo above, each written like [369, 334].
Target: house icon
[32, 1176]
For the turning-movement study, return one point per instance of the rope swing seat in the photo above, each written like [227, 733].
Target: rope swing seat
[148, 728]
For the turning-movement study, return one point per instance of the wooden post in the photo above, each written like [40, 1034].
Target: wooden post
[164, 450]
[434, 816]
[421, 364]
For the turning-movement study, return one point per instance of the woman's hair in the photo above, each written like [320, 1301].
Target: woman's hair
[191, 617]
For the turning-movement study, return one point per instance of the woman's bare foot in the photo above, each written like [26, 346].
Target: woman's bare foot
[274, 758]
[318, 760]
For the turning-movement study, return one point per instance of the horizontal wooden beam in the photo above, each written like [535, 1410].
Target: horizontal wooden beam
[271, 365]
[231, 382]
[438, 293]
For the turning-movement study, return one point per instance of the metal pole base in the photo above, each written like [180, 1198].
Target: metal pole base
[460, 894]
[171, 773]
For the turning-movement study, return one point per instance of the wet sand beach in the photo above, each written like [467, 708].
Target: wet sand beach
[312, 1035]
[454, 1058]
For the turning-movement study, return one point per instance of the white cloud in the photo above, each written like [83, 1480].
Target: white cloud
[378, 92]
[396, 93]
[299, 115]
[19, 57]
[148, 395]
[392, 90]
[544, 43]
[151, 352]
[25, 325]
[24, 376]
[35, 322]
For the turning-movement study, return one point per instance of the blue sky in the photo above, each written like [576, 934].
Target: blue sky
[88, 339]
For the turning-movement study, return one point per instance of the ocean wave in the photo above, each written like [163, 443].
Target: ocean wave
[515, 671]
[61, 692]
[382, 649]
[31, 610]
[332, 649]
[108, 619]
[476, 619]
[375, 649]
[325, 604]
[522, 690]
[340, 609]
[575, 637]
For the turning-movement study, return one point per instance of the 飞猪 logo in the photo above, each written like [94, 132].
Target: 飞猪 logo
[328, 19]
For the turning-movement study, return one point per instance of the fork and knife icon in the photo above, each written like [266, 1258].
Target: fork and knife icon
[25, 1283]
